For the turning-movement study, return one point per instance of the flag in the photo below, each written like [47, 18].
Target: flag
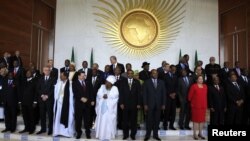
[180, 54]
[91, 58]
[196, 58]
[72, 56]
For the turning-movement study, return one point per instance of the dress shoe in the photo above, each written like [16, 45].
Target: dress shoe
[40, 132]
[125, 138]
[182, 128]
[188, 128]
[50, 133]
[146, 139]
[172, 128]
[78, 136]
[23, 131]
[31, 132]
[157, 138]
[12, 131]
[132, 137]
[88, 136]
[202, 137]
[5, 130]
[196, 138]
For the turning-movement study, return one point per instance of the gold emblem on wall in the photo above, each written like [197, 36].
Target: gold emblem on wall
[140, 28]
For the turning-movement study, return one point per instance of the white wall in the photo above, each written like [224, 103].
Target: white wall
[75, 26]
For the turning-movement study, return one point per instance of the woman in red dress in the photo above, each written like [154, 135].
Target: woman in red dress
[198, 99]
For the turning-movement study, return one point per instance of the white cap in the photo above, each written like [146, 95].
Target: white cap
[111, 79]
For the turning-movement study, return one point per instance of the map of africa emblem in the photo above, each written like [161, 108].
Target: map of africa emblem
[140, 28]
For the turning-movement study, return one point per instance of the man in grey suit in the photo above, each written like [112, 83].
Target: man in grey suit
[183, 85]
[154, 98]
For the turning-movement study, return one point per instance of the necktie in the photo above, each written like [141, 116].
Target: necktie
[83, 85]
[93, 82]
[130, 84]
[186, 81]
[217, 87]
[155, 83]
[235, 83]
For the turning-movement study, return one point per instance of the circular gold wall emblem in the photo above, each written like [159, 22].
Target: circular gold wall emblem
[139, 29]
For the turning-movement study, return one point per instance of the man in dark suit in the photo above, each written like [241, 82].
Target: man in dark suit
[66, 66]
[17, 58]
[10, 99]
[224, 73]
[212, 69]
[217, 102]
[144, 74]
[53, 71]
[18, 73]
[6, 60]
[45, 88]
[186, 58]
[118, 84]
[161, 69]
[154, 100]
[183, 85]
[86, 70]
[106, 73]
[83, 101]
[237, 68]
[235, 94]
[170, 80]
[128, 67]
[96, 82]
[99, 72]
[180, 66]
[115, 64]
[36, 76]
[28, 102]
[130, 101]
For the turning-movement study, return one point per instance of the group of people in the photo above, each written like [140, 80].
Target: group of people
[120, 97]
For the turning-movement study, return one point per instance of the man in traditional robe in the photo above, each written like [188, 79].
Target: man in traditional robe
[63, 107]
[106, 110]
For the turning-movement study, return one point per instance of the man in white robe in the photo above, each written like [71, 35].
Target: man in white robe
[63, 108]
[106, 110]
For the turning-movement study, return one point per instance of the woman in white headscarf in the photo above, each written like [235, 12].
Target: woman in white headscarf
[106, 110]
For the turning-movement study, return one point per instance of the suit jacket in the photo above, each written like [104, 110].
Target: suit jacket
[130, 98]
[10, 96]
[96, 86]
[15, 58]
[179, 67]
[19, 78]
[224, 73]
[119, 83]
[234, 94]
[144, 75]
[80, 92]
[46, 88]
[29, 92]
[160, 70]
[121, 66]
[89, 73]
[7, 62]
[170, 84]
[210, 70]
[216, 98]
[183, 89]
[154, 97]
[234, 69]
[63, 69]
[54, 74]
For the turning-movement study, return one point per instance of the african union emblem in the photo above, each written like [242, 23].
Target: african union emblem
[141, 28]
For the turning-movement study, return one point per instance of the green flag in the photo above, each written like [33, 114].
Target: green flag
[196, 58]
[72, 56]
[91, 58]
[180, 54]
